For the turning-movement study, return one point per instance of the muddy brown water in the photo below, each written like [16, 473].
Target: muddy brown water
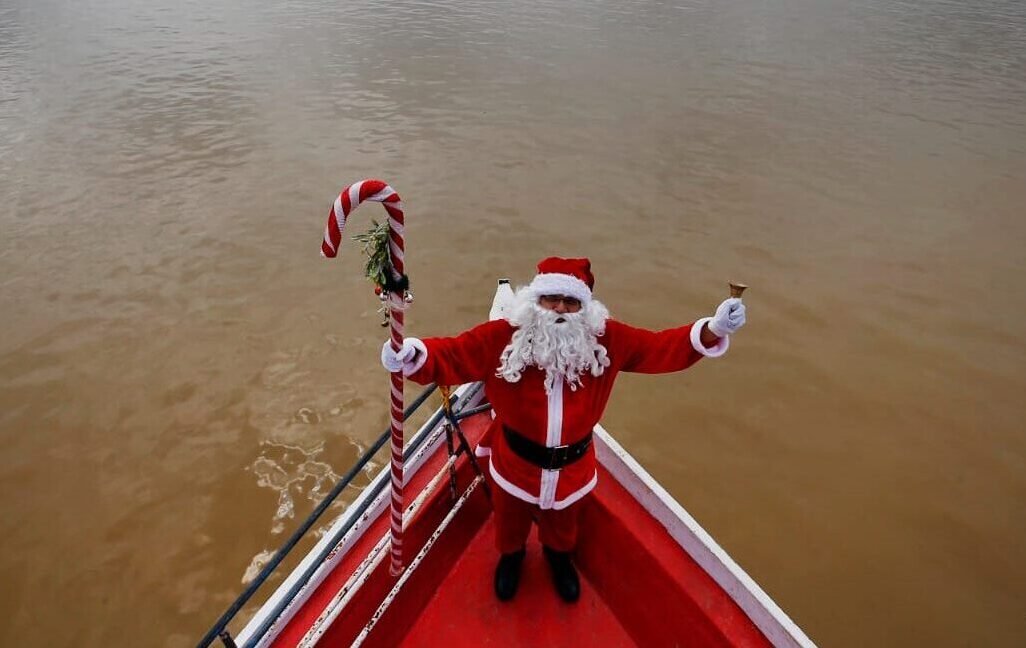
[182, 377]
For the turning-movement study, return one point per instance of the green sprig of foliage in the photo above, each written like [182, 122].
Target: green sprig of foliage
[375, 246]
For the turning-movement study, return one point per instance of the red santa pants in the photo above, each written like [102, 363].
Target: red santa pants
[557, 530]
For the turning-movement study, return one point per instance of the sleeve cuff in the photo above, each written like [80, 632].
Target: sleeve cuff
[419, 360]
[696, 340]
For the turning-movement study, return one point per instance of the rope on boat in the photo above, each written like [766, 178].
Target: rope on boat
[416, 562]
[396, 299]
[453, 427]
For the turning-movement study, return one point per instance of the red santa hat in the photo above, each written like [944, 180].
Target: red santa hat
[567, 277]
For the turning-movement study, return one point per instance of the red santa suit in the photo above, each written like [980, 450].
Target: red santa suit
[562, 417]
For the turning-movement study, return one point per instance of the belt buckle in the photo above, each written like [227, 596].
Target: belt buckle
[558, 456]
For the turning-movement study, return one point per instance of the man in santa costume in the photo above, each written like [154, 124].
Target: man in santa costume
[548, 371]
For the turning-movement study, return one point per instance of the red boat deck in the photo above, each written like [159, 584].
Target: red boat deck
[464, 610]
[639, 586]
[638, 589]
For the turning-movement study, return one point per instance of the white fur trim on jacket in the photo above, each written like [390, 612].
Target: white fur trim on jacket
[418, 361]
[552, 283]
[696, 340]
[520, 493]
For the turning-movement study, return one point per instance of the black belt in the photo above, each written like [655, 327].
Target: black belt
[544, 456]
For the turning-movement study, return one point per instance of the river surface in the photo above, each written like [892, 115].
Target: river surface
[182, 376]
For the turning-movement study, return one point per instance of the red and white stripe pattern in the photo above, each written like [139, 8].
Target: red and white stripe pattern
[348, 200]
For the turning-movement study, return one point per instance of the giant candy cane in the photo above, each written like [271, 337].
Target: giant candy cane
[395, 300]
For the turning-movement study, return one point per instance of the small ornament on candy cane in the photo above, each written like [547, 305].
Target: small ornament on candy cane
[379, 269]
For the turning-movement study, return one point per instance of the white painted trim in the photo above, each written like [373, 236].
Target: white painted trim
[366, 568]
[373, 511]
[348, 540]
[781, 631]
[391, 596]
[361, 575]
[482, 451]
[696, 340]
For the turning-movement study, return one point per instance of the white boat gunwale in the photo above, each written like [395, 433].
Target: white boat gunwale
[771, 620]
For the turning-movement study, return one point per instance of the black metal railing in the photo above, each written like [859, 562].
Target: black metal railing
[219, 630]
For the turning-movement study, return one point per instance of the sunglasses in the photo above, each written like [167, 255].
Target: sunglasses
[552, 300]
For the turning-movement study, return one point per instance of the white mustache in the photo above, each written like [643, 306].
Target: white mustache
[552, 317]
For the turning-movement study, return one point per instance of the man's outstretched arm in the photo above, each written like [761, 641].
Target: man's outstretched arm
[676, 349]
[469, 356]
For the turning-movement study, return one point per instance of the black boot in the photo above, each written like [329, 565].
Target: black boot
[507, 574]
[564, 576]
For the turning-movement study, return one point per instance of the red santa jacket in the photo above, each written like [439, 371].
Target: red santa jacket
[563, 417]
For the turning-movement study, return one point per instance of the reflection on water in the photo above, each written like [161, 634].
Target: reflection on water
[181, 372]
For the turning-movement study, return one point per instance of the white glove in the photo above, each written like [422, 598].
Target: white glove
[729, 317]
[404, 359]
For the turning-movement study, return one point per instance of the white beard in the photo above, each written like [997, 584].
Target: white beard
[564, 345]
